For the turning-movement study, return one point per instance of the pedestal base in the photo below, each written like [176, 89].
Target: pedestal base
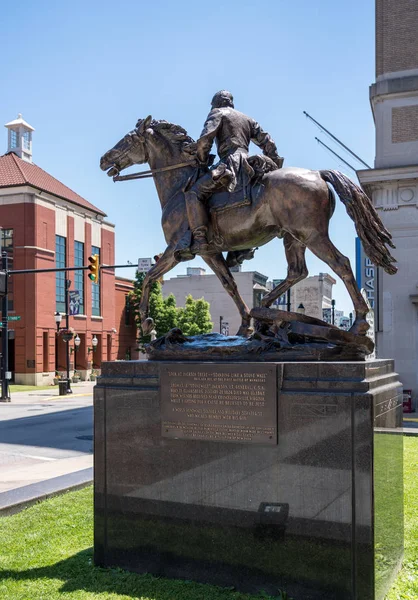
[316, 511]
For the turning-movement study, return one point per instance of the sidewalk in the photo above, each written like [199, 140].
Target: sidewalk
[83, 388]
[46, 445]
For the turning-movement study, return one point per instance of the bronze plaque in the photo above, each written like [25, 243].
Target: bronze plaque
[219, 402]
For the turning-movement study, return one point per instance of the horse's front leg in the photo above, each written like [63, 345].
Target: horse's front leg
[218, 265]
[164, 264]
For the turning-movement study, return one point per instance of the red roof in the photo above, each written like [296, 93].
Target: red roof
[14, 172]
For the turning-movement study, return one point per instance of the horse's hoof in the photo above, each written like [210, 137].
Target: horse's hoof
[360, 327]
[147, 326]
[245, 331]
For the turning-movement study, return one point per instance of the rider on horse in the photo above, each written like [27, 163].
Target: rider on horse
[233, 131]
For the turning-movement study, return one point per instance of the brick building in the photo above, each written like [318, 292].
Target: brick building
[393, 184]
[44, 224]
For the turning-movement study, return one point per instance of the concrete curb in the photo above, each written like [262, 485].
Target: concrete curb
[13, 501]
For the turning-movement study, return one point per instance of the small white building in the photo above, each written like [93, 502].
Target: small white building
[314, 293]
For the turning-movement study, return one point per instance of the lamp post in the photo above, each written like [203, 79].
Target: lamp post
[333, 312]
[350, 316]
[301, 309]
[67, 326]
[220, 324]
[58, 319]
[66, 337]
[92, 348]
[77, 343]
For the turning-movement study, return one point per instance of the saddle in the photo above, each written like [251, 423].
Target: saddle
[246, 193]
[248, 188]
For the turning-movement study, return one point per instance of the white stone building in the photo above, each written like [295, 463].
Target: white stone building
[314, 293]
[393, 184]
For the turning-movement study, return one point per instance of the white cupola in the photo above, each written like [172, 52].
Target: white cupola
[20, 138]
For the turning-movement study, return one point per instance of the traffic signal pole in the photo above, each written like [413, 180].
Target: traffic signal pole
[5, 395]
[4, 370]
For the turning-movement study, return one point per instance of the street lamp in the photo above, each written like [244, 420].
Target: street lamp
[94, 343]
[333, 312]
[58, 319]
[77, 343]
[220, 324]
[67, 335]
[301, 309]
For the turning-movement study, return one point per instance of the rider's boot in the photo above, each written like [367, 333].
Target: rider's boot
[198, 221]
[200, 241]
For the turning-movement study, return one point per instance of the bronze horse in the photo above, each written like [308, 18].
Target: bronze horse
[294, 204]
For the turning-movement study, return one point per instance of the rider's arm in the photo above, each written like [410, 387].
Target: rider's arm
[210, 129]
[264, 141]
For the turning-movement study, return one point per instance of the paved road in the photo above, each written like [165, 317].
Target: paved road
[43, 436]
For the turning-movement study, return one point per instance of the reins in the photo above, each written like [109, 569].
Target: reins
[151, 172]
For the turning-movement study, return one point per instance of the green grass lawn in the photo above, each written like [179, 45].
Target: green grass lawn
[406, 585]
[46, 554]
[31, 388]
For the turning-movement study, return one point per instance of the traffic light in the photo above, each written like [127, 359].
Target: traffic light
[94, 268]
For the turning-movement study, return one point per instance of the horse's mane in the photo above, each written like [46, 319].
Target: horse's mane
[176, 135]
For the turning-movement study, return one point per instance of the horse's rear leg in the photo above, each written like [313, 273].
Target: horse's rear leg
[323, 248]
[296, 269]
[218, 265]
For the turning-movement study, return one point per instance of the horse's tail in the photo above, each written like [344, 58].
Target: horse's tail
[370, 229]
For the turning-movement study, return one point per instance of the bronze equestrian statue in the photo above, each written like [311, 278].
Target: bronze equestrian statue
[233, 131]
[292, 203]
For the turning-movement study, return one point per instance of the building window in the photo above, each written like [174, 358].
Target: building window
[13, 139]
[60, 263]
[79, 275]
[95, 289]
[27, 140]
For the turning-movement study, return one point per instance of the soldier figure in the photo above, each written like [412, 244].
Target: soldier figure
[233, 131]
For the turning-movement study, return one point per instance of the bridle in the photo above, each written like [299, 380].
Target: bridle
[151, 172]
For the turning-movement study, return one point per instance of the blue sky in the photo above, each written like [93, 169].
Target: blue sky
[82, 73]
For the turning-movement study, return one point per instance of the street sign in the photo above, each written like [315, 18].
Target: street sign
[225, 328]
[74, 299]
[14, 318]
[144, 265]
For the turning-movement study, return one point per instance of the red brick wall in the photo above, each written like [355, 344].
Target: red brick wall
[35, 296]
[126, 340]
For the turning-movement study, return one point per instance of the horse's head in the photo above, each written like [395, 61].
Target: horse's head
[130, 150]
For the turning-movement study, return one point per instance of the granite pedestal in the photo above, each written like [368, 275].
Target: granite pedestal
[305, 496]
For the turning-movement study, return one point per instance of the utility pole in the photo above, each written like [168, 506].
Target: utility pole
[5, 396]
[67, 326]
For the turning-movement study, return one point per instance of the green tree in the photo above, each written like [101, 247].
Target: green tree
[194, 318]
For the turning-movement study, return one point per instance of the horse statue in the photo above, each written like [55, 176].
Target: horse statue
[292, 203]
